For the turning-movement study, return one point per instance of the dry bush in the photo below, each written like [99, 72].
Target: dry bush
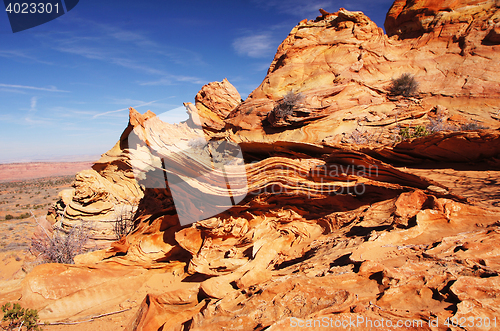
[57, 248]
[472, 126]
[405, 85]
[439, 124]
[288, 104]
[361, 137]
[124, 223]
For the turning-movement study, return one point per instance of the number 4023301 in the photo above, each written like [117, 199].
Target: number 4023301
[478, 322]
[32, 8]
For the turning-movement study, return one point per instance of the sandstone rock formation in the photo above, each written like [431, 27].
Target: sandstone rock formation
[339, 220]
[343, 64]
[213, 103]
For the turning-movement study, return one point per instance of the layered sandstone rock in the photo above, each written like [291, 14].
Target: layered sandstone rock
[327, 228]
[103, 194]
[212, 105]
[344, 64]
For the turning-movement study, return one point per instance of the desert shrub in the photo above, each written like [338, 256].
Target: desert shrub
[61, 248]
[420, 131]
[360, 137]
[23, 216]
[8, 217]
[405, 85]
[288, 104]
[124, 223]
[472, 126]
[439, 124]
[417, 132]
[18, 318]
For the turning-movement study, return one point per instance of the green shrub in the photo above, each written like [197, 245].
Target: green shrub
[23, 216]
[405, 85]
[19, 317]
[420, 131]
[8, 217]
[409, 133]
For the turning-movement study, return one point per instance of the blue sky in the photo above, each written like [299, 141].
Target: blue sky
[66, 85]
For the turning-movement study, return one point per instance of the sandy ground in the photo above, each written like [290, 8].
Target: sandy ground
[23, 171]
[21, 198]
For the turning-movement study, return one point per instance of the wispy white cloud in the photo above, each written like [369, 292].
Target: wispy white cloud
[120, 110]
[258, 45]
[85, 51]
[65, 112]
[38, 121]
[110, 112]
[126, 101]
[118, 46]
[173, 79]
[49, 89]
[33, 104]
[10, 90]
[161, 81]
[261, 66]
[133, 64]
[309, 8]
[299, 8]
[20, 55]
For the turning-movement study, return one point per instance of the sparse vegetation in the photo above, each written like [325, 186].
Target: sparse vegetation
[472, 126]
[416, 132]
[23, 216]
[405, 85]
[18, 205]
[287, 105]
[439, 124]
[360, 137]
[19, 318]
[124, 223]
[57, 248]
